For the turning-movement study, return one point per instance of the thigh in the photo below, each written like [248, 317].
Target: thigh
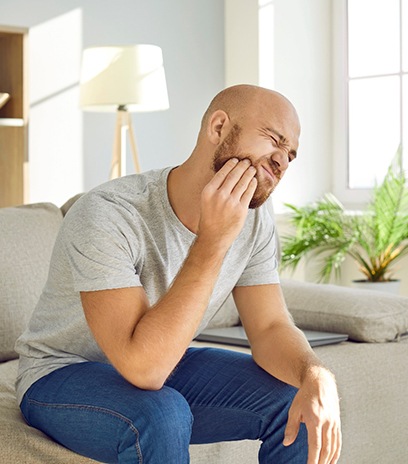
[230, 396]
[91, 409]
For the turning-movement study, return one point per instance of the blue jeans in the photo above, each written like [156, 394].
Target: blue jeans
[213, 395]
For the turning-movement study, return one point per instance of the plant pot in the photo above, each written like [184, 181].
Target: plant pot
[389, 286]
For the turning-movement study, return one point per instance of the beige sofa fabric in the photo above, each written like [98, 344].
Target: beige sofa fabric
[372, 381]
[26, 241]
[364, 315]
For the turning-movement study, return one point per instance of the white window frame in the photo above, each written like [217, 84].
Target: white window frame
[353, 198]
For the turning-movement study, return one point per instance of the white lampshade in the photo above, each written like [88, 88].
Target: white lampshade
[131, 76]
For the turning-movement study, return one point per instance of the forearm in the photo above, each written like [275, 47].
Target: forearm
[284, 352]
[163, 333]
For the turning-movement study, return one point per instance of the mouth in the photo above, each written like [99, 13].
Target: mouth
[269, 173]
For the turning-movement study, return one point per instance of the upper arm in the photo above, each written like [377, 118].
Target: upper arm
[112, 316]
[100, 245]
[261, 307]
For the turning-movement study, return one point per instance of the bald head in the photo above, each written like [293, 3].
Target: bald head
[241, 101]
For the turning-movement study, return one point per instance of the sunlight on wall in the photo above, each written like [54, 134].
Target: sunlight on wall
[55, 120]
[266, 43]
[286, 46]
[241, 42]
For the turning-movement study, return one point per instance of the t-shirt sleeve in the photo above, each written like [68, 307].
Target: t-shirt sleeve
[100, 245]
[262, 267]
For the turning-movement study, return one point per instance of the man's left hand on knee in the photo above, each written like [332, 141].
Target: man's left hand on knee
[317, 405]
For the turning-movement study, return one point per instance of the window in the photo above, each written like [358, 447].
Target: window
[375, 91]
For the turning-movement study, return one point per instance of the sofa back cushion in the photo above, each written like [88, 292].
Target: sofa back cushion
[365, 315]
[27, 236]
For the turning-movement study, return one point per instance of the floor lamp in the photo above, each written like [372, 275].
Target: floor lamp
[123, 79]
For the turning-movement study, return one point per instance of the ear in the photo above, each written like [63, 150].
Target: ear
[218, 123]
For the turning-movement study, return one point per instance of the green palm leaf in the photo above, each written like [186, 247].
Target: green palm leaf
[374, 239]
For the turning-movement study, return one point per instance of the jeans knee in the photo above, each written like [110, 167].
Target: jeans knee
[159, 429]
[172, 414]
[176, 411]
[164, 428]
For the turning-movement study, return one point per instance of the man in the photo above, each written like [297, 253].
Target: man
[140, 266]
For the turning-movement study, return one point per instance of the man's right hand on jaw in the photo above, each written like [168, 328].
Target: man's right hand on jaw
[225, 201]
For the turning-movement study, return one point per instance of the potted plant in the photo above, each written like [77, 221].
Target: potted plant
[375, 238]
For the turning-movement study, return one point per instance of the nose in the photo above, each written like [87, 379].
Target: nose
[280, 160]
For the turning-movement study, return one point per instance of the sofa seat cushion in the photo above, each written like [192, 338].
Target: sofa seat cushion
[365, 315]
[27, 237]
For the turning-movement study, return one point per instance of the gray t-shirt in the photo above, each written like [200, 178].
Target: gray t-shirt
[121, 234]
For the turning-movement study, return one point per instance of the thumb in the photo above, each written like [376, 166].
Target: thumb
[291, 431]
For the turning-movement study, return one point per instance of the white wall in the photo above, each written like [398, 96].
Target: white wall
[241, 42]
[70, 151]
[302, 72]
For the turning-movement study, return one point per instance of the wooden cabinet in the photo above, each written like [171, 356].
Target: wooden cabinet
[13, 116]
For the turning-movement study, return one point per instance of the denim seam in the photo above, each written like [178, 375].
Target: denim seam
[100, 410]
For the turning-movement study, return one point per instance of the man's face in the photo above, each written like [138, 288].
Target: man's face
[269, 172]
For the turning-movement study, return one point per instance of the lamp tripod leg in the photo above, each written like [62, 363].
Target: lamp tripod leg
[133, 146]
[116, 164]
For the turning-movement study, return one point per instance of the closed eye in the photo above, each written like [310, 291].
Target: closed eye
[292, 156]
[291, 153]
[280, 141]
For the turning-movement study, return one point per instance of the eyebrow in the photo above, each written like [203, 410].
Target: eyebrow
[282, 139]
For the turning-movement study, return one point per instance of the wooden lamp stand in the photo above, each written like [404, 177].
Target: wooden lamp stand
[123, 127]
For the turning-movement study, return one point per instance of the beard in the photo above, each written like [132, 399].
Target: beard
[230, 148]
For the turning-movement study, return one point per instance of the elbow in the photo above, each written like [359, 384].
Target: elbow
[145, 379]
[142, 370]
[148, 384]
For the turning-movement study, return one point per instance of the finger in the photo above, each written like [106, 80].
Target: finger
[314, 445]
[243, 183]
[327, 444]
[233, 178]
[220, 176]
[249, 192]
[339, 440]
[334, 444]
[291, 430]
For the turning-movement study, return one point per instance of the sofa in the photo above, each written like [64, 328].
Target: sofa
[371, 367]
